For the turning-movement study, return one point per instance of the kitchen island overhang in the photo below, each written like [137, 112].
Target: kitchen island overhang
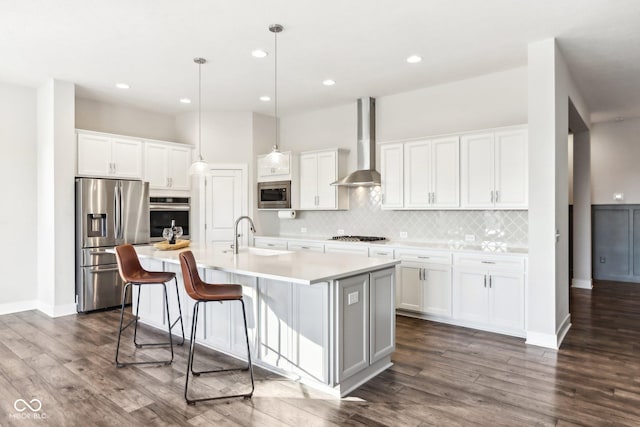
[327, 320]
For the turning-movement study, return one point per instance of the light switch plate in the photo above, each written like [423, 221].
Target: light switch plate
[469, 237]
[340, 232]
[303, 229]
[403, 235]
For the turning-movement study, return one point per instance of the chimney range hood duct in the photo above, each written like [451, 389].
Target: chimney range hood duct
[366, 175]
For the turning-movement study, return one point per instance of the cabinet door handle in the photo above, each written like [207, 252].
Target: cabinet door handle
[270, 244]
[497, 196]
[424, 274]
[489, 281]
[419, 274]
[305, 247]
[488, 262]
[433, 197]
[485, 280]
[491, 196]
[423, 257]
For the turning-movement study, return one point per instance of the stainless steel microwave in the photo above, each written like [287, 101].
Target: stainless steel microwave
[274, 195]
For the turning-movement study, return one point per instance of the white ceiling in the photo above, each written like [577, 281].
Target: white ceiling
[361, 44]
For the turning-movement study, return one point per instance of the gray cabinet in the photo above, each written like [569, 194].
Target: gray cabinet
[382, 321]
[353, 325]
[616, 242]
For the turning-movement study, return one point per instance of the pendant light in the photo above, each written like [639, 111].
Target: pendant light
[275, 158]
[199, 167]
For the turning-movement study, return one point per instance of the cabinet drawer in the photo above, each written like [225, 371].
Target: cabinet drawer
[378, 252]
[430, 257]
[346, 249]
[490, 262]
[305, 246]
[270, 244]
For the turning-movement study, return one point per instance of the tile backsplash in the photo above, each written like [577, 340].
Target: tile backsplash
[366, 217]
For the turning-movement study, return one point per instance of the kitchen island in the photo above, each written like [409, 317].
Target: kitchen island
[327, 320]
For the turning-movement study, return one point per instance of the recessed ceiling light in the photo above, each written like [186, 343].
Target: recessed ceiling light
[185, 100]
[258, 53]
[265, 98]
[328, 82]
[122, 86]
[414, 59]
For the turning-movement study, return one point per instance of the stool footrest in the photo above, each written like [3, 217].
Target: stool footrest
[194, 401]
[197, 373]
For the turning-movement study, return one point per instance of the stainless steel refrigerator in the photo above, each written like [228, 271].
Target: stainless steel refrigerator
[109, 212]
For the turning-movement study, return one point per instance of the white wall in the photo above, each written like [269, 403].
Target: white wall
[56, 160]
[263, 131]
[18, 147]
[124, 120]
[226, 138]
[491, 100]
[582, 275]
[615, 150]
[333, 127]
[549, 86]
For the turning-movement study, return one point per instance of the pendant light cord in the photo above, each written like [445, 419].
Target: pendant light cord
[200, 111]
[275, 35]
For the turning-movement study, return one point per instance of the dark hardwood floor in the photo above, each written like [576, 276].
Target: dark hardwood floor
[443, 375]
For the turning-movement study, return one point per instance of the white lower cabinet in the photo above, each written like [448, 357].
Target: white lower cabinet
[267, 243]
[305, 246]
[490, 293]
[338, 248]
[425, 282]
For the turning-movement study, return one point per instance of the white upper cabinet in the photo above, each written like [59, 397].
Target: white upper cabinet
[391, 171]
[494, 170]
[318, 170]
[477, 171]
[109, 156]
[166, 165]
[421, 174]
[431, 174]
[267, 172]
[511, 165]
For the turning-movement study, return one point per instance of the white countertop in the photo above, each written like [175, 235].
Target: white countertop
[297, 267]
[485, 247]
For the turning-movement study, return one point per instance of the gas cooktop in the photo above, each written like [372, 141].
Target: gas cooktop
[358, 238]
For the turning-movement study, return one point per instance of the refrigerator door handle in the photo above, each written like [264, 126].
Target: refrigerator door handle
[120, 191]
[117, 210]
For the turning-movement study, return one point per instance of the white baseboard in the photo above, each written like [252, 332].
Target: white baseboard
[563, 329]
[16, 307]
[582, 283]
[57, 310]
[552, 341]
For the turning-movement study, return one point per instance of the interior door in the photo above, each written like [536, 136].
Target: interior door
[224, 195]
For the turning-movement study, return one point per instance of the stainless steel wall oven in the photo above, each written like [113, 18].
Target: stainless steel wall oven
[162, 210]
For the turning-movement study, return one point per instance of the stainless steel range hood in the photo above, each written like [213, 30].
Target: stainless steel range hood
[366, 175]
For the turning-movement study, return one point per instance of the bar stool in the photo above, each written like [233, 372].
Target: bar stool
[203, 292]
[133, 274]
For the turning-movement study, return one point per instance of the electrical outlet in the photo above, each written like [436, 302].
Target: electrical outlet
[403, 235]
[340, 232]
[303, 229]
[469, 237]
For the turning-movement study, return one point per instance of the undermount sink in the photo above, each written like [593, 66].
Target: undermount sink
[258, 251]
